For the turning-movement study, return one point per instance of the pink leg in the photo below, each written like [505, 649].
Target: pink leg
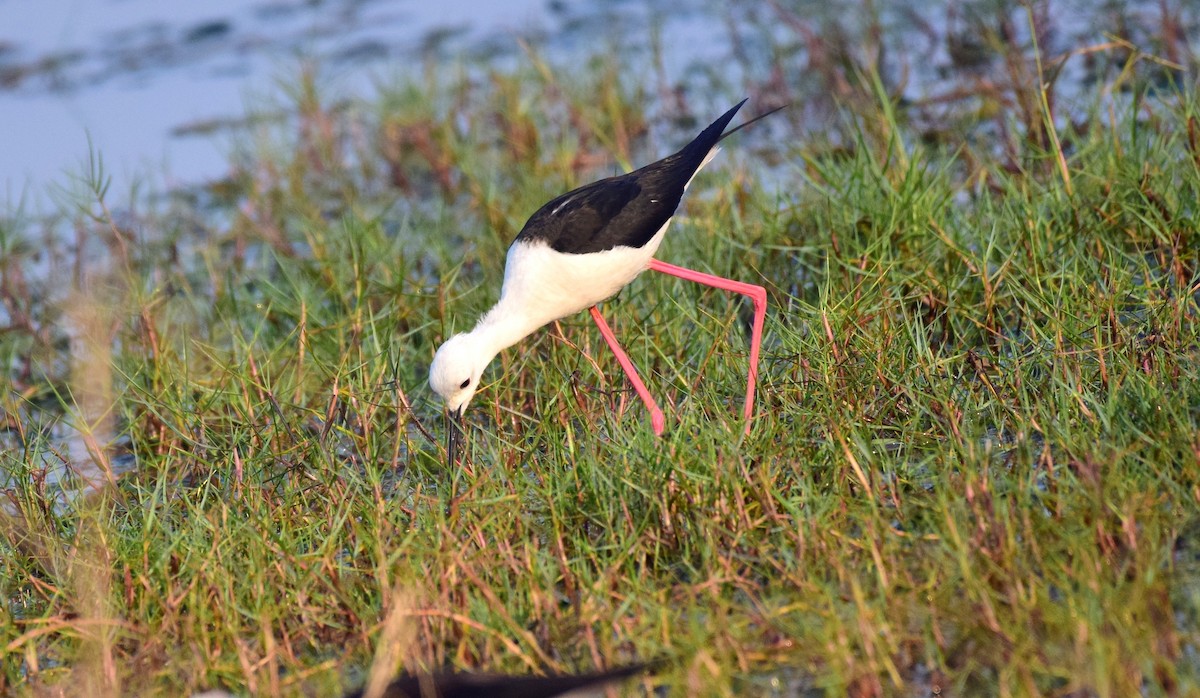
[656, 416]
[757, 293]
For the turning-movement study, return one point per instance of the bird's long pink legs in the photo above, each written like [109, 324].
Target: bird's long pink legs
[656, 416]
[758, 294]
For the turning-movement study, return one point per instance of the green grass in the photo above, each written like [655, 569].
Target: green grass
[975, 468]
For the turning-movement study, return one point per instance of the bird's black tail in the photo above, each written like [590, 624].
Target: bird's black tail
[712, 135]
[715, 133]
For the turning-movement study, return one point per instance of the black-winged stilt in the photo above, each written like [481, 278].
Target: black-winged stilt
[580, 249]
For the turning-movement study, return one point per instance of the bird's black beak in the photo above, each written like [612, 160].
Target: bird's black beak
[453, 435]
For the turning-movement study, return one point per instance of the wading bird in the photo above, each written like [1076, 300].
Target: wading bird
[578, 250]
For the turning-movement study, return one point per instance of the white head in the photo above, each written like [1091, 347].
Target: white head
[456, 370]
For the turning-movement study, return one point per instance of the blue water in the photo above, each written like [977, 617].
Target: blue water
[144, 80]
[155, 85]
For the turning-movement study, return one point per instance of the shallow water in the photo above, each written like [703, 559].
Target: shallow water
[153, 86]
[143, 79]
[157, 88]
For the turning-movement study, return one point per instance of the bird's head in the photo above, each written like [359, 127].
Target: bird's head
[456, 370]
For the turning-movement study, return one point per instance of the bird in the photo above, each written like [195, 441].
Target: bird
[580, 249]
[464, 685]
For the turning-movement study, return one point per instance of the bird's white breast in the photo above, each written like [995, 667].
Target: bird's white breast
[548, 285]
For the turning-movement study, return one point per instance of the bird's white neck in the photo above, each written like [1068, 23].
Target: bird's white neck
[501, 327]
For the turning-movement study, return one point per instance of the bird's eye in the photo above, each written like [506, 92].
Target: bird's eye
[465, 383]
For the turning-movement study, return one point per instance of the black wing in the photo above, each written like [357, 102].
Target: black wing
[626, 210]
[618, 211]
